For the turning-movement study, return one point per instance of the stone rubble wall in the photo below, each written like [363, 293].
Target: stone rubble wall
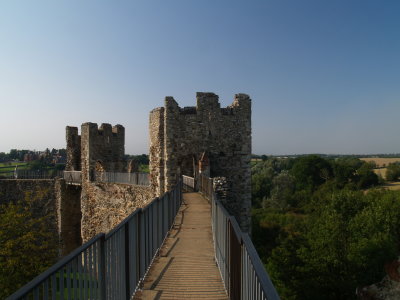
[156, 151]
[104, 145]
[73, 149]
[105, 205]
[69, 215]
[223, 133]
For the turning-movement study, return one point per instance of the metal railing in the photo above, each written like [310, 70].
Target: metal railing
[112, 265]
[119, 177]
[31, 174]
[73, 177]
[241, 268]
[206, 187]
[188, 183]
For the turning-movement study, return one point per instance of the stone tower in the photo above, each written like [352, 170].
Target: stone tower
[104, 146]
[180, 136]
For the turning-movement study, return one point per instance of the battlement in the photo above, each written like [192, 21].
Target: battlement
[103, 145]
[180, 136]
[105, 129]
[206, 102]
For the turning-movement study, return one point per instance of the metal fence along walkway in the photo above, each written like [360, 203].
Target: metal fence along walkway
[110, 266]
[186, 268]
[170, 249]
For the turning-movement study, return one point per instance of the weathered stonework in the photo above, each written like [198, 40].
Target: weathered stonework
[73, 149]
[102, 149]
[68, 215]
[179, 136]
[105, 205]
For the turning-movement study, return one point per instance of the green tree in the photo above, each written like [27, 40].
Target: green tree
[393, 172]
[311, 171]
[282, 192]
[366, 176]
[27, 247]
[344, 244]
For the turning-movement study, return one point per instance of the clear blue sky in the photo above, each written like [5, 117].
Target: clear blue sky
[324, 76]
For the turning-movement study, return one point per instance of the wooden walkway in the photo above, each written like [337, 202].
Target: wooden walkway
[186, 267]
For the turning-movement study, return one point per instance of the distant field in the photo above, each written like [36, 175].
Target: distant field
[394, 186]
[380, 161]
[10, 166]
[381, 171]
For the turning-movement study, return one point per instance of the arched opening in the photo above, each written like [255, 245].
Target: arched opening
[188, 165]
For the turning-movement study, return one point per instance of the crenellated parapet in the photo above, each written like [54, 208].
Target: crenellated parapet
[179, 137]
[104, 146]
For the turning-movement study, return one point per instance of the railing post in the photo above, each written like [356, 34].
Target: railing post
[102, 269]
[127, 277]
[142, 250]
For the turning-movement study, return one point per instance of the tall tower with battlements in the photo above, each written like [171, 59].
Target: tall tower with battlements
[96, 146]
[180, 136]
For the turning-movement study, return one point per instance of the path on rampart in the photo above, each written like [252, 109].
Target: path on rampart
[186, 268]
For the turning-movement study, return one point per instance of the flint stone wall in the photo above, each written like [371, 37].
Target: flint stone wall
[105, 205]
[179, 136]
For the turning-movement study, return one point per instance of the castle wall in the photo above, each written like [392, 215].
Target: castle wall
[156, 152]
[68, 215]
[101, 205]
[224, 133]
[104, 146]
[73, 149]
[105, 205]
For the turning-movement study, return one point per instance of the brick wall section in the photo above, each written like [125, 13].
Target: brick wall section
[224, 133]
[105, 205]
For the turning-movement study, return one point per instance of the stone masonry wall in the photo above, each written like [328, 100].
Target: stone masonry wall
[223, 133]
[104, 145]
[105, 205]
[156, 152]
[73, 149]
[68, 215]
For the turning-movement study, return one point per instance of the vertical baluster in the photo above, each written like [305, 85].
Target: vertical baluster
[61, 280]
[90, 272]
[95, 271]
[46, 289]
[85, 270]
[54, 286]
[68, 267]
[75, 277]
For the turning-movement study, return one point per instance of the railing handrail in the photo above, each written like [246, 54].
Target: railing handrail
[247, 246]
[128, 253]
[135, 178]
[54, 268]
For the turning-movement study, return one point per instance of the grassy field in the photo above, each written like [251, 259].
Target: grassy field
[394, 186]
[10, 166]
[381, 161]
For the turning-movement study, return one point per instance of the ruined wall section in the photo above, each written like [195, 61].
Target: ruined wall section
[73, 149]
[156, 152]
[103, 146]
[107, 204]
[224, 133]
[69, 215]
